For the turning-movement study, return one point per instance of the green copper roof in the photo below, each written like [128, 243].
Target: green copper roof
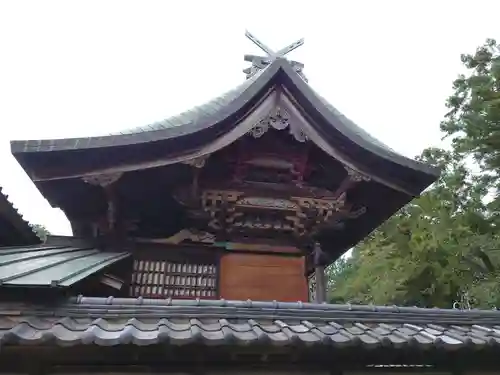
[52, 266]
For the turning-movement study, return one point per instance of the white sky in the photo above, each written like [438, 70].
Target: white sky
[77, 68]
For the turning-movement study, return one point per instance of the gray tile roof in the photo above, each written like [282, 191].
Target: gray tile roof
[52, 266]
[191, 131]
[353, 126]
[197, 113]
[115, 321]
[206, 115]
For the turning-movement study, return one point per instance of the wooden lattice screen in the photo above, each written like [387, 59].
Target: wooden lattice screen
[163, 279]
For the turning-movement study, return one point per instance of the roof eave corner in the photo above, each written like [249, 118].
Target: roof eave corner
[18, 147]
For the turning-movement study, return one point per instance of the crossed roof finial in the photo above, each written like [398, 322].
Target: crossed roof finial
[260, 62]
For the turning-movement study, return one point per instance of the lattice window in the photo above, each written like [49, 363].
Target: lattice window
[163, 279]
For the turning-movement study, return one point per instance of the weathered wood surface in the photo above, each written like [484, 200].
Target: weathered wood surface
[263, 278]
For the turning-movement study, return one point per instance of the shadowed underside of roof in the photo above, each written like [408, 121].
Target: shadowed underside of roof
[115, 321]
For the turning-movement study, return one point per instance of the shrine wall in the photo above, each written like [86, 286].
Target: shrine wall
[263, 278]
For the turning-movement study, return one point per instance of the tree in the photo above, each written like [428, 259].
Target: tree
[41, 231]
[443, 247]
[342, 268]
[473, 121]
[424, 255]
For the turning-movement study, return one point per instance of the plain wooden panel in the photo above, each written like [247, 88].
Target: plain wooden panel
[263, 278]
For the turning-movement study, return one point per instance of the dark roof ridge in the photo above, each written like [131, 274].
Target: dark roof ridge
[354, 132]
[141, 301]
[184, 125]
[218, 122]
[173, 120]
[111, 307]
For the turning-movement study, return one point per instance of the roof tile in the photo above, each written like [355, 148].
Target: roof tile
[68, 331]
[114, 321]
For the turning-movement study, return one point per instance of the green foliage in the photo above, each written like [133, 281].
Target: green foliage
[41, 231]
[444, 246]
[474, 117]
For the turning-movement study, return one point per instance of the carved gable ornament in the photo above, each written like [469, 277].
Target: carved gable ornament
[235, 211]
[198, 162]
[278, 119]
[264, 202]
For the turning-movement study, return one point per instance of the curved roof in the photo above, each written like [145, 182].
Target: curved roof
[193, 132]
[194, 114]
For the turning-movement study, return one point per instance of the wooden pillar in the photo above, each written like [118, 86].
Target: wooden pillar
[319, 272]
[111, 212]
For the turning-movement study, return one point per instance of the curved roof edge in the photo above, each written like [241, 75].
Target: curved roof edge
[191, 121]
[349, 129]
[328, 122]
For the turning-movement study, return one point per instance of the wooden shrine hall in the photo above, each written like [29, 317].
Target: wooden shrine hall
[266, 182]
[210, 231]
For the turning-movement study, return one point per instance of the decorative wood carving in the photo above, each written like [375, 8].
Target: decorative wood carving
[198, 162]
[278, 119]
[273, 159]
[191, 235]
[103, 180]
[356, 176]
[265, 189]
[262, 202]
[301, 216]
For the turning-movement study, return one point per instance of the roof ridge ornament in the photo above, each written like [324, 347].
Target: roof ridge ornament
[260, 62]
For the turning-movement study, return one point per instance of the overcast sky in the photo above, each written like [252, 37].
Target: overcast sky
[77, 68]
